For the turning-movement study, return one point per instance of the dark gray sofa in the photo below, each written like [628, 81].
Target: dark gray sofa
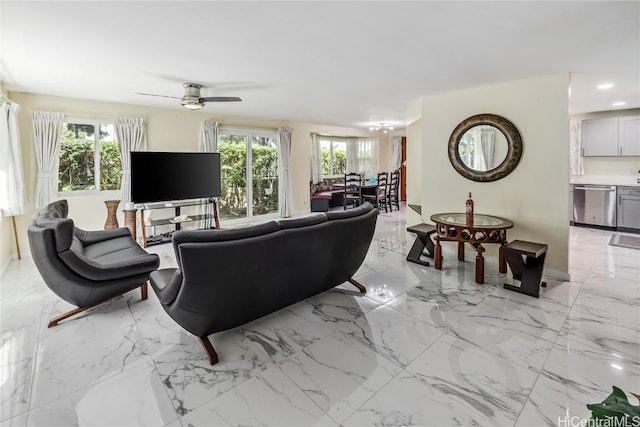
[86, 268]
[226, 278]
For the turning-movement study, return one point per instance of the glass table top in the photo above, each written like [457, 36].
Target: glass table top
[479, 220]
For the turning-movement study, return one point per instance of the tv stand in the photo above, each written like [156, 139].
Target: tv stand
[176, 208]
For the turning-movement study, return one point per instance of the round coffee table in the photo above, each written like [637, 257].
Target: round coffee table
[453, 227]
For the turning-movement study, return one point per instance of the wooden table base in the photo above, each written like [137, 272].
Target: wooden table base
[476, 235]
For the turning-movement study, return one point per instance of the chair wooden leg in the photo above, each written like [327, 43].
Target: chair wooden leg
[54, 322]
[358, 285]
[208, 348]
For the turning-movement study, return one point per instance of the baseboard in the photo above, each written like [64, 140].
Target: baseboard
[6, 264]
[557, 274]
[23, 255]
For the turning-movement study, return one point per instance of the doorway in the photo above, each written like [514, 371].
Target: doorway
[403, 171]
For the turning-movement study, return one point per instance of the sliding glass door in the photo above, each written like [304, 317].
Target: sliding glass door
[249, 172]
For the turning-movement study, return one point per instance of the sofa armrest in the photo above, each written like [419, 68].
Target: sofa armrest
[90, 237]
[166, 283]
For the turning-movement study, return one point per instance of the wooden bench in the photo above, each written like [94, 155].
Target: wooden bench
[423, 240]
[528, 270]
[323, 200]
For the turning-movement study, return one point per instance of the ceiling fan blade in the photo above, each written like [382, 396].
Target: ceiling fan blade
[162, 96]
[220, 99]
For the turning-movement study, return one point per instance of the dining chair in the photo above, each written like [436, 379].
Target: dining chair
[393, 195]
[379, 197]
[352, 190]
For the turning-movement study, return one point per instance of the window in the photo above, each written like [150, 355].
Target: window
[249, 172]
[339, 155]
[89, 157]
[333, 157]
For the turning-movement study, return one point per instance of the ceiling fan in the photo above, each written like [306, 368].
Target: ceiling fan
[192, 99]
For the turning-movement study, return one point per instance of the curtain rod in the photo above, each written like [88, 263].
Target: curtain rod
[341, 136]
[227, 125]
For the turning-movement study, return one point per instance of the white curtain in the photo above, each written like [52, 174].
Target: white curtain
[13, 199]
[368, 157]
[362, 156]
[284, 183]
[352, 155]
[487, 141]
[47, 129]
[316, 159]
[209, 136]
[131, 136]
[575, 149]
[396, 152]
[208, 144]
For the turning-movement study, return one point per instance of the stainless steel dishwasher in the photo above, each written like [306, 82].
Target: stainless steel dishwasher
[594, 205]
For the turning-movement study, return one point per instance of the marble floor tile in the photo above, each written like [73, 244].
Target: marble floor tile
[563, 292]
[269, 398]
[422, 347]
[15, 388]
[603, 329]
[438, 306]
[523, 337]
[339, 376]
[452, 383]
[537, 312]
[191, 381]
[134, 398]
[334, 308]
[81, 352]
[285, 332]
[17, 421]
[626, 292]
[573, 376]
[392, 334]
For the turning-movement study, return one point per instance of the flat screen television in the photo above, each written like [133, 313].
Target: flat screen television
[165, 176]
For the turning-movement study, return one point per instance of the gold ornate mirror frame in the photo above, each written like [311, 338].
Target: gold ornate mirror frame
[514, 142]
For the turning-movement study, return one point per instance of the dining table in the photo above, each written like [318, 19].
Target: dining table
[478, 230]
[367, 187]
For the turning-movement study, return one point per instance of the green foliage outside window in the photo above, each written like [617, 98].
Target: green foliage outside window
[339, 162]
[76, 170]
[233, 159]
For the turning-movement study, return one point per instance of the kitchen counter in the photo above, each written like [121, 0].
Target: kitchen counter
[619, 180]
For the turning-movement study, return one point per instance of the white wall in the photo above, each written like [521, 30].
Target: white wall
[167, 129]
[609, 166]
[414, 170]
[535, 195]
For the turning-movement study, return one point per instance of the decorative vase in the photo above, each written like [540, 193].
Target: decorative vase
[112, 209]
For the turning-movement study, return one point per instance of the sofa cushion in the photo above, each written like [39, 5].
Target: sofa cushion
[110, 259]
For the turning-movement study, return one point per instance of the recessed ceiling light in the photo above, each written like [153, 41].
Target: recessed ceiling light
[619, 104]
[604, 86]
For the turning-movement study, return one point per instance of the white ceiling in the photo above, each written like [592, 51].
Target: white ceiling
[339, 63]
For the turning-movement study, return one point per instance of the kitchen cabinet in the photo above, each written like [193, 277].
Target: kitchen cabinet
[614, 136]
[629, 135]
[600, 137]
[628, 208]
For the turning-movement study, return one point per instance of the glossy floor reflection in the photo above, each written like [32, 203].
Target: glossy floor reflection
[424, 347]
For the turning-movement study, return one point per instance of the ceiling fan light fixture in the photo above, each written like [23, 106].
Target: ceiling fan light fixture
[191, 104]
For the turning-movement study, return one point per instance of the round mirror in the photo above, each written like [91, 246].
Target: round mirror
[485, 147]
